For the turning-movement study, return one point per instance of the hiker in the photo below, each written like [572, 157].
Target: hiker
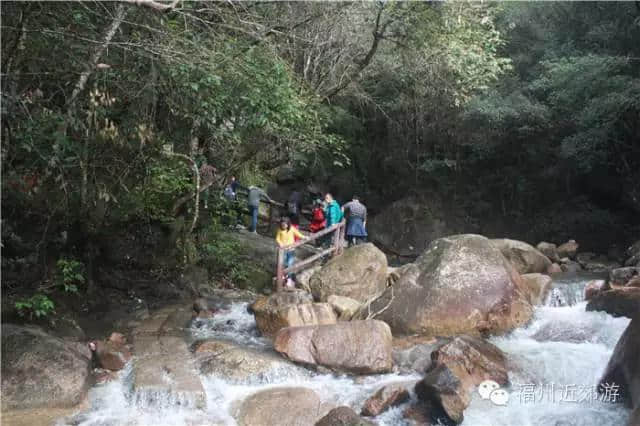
[255, 195]
[230, 195]
[332, 211]
[207, 174]
[356, 214]
[318, 221]
[285, 237]
[294, 205]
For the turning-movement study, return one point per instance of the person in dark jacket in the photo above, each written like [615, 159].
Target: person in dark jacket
[294, 205]
[356, 214]
[255, 195]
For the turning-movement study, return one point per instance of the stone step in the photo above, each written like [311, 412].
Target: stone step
[163, 366]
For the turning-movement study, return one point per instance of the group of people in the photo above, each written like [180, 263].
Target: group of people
[324, 215]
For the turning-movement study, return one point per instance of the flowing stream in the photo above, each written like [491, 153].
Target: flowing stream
[554, 363]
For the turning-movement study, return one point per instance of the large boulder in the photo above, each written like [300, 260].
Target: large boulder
[386, 397]
[290, 309]
[550, 250]
[524, 257]
[343, 416]
[362, 347]
[456, 369]
[359, 273]
[568, 249]
[461, 285]
[42, 371]
[596, 263]
[623, 369]
[537, 286]
[281, 406]
[240, 364]
[618, 302]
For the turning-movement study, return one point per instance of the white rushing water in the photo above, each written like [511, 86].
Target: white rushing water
[554, 363]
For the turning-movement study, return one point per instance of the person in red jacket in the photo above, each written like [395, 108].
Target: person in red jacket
[318, 221]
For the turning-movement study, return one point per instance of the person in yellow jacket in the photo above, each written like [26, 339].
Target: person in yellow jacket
[286, 236]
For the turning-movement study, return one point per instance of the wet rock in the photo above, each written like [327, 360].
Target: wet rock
[623, 368]
[39, 370]
[290, 309]
[416, 358]
[281, 406]
[438, 294]
[345, 307]
[343, 416]
[446, 390]
[633, 261]
[360, 273]
[538, 286]
[634, 249]
[419, 413]
[111, 355]
[594, 263]
[525, 258]
[550, 250]
[472, 359]
[386, 397]
[200, 304]
[362, 347]
[620, 302]
[102, 376]
[592, 288]
[633, 282]
[568, 249]
[239, 364]
[554, 269]
[571, 267]
[118, 338]
[621, 276]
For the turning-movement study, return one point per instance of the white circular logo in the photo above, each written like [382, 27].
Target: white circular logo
[491, 390]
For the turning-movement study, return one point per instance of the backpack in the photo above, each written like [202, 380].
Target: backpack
[292, 208]
[318, 215]
[229, 194]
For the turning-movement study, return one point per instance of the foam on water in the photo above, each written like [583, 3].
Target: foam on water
[562, 346]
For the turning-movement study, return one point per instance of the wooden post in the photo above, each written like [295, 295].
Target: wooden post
[342, 230]
[336, 241]
[279, 270]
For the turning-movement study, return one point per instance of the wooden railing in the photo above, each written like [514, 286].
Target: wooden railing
[337, 245]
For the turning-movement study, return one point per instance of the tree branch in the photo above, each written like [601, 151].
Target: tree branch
[91, 65]
[160, 7]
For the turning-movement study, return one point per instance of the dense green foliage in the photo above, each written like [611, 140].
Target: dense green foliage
[501, 109]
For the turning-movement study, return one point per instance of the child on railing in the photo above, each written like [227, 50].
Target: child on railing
[285, 237]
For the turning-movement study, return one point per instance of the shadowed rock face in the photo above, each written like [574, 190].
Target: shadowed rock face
[359, 273]
[624, 366]
[39, 370]
[281, 406]
[618, 302]
[362, 347]
[461, 285]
